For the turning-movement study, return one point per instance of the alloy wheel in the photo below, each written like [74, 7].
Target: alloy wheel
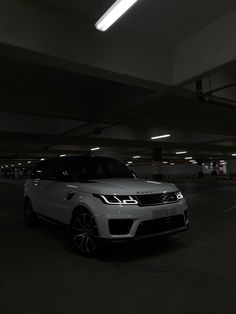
[84, 232]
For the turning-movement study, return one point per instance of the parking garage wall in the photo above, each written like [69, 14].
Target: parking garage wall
[231, 167]
[149, 171]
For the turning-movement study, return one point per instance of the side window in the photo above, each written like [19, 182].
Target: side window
[44, 171]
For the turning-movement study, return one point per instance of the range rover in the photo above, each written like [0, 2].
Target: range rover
[100, 198]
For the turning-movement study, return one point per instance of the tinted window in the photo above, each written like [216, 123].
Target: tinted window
[50, 170]
[91, 168]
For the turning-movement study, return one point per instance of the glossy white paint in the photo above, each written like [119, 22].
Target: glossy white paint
[50, 198]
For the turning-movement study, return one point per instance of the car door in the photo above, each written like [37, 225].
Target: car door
[54, 193]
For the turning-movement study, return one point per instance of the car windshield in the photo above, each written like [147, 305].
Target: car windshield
[92, 168]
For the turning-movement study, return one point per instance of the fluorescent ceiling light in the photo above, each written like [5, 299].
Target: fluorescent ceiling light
[42, 159]
[136, 157]
[172, 163]
[160, 136]
[130, 162]
[179, 153]
[233, 154]
[29, 162]
[113, 14]
[188, 158]
[165, 162]
[63, 155]
[95, 148]
[19, 163]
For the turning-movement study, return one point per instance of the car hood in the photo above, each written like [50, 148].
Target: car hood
[133, 186]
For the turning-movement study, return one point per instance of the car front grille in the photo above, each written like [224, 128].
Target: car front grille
[157, 199]
[160, 225]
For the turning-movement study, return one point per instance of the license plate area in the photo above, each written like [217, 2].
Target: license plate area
[163, 212]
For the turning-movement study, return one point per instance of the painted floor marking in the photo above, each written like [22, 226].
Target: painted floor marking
[205, 192]
[230, 209]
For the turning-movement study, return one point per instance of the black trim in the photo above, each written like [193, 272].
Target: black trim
[51, 220]
[120, 226]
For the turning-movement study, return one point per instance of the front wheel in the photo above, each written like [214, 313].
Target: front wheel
[84, 232]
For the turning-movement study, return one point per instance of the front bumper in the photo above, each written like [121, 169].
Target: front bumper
[133, 218]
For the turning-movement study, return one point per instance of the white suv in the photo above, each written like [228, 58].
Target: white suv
[100, 198]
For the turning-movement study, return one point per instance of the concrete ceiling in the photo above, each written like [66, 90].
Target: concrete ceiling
[161, 20]
[45, 111]
[54, 98]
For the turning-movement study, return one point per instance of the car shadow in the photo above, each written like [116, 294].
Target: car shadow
[117, 252]
[137, 250]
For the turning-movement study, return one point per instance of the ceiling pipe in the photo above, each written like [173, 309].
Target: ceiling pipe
[220, 101]
[208, 97]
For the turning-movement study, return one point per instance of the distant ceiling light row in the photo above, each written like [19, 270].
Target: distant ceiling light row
[136, 157]
[95, 148]
[180, 153]
[113, 14]
[188, 158]
[160, 136]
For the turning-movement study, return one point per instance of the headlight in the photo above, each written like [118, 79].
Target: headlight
[117, 199]
[179, 195]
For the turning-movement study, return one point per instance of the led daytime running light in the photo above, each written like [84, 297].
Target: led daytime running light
[118, 200]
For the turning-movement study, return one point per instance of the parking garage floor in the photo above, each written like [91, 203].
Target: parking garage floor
[193, 272]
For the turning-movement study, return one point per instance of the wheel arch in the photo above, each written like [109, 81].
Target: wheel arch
[81, 206]
[84, 206]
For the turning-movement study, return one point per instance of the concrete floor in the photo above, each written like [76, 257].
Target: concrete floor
[193, 272]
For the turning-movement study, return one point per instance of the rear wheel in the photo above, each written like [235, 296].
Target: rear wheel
[30, 217]
[84, 232]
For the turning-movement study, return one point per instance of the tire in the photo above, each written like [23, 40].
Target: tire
[30, 217]
[84, 233]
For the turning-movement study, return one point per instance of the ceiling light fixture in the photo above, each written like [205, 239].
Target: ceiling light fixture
[188, 158]
[42, 159]
[130, 162]
[95, 148]
[180, 153]
[113, 14]
[160, 136]
[63, 155]
[234, 154]
[136, 157]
